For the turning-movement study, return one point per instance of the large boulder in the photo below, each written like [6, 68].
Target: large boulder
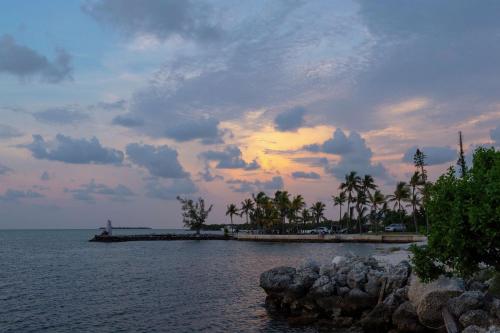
[397, 276]
[473, 329]
[469, 300]
[324, 286]
[357, 300]
[405, 318]
[306, 274]
[277, 280]
[475, 317]
[429, 298]
[356, 278]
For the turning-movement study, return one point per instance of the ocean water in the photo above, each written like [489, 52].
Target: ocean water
[57, 281]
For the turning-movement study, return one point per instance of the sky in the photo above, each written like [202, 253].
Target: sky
[112, 108]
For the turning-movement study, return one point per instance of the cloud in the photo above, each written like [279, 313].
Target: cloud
[245, 186]
[76, 151]
[229, 158]
[354, 154]
[207, 176]
[290, 120]
[203, 128]
[495, 135]
[89, 192]
[61, 116]
[127, 121]
[434, 155]
[305, 175]
[9, 132]
[111, 106]
[171, 190]
[24, 62]
[160, 161]
[159, 18]
[4, 170]
[45, 176]
[15, 195]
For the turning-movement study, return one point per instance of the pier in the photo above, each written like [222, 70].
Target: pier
[337, 238]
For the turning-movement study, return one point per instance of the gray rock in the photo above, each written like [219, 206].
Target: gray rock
[278, 279]
[378, 319]
[493, 329]
[357, 300]
[397, 276]
[323, 286]
[474, 329]
[373, 282]
[306, 274]
[405, 318]
[469, 300]
[429, 298]
[356, 278]
[494, 306]
[328, 270]
[339, 261]
[475, 317]
[342, 291]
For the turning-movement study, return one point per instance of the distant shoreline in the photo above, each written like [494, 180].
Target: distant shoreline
[128, 228]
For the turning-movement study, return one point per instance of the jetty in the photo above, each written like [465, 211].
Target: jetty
[337, 238]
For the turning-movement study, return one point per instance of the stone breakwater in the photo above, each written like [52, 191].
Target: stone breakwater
[156, 237]
[357, 294]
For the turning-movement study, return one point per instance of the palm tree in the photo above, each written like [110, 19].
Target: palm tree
[339, 200]
[231, 211]
[350, 185]
[295, 206]
[260, 201]
[361, 201]
[415, 181]
[317, 210]
[247, 207]
[401, 193]
[376, 199]
[282, 203]
[367, 184]
[305, 216]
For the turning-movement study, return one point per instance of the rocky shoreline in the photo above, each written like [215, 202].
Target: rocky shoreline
[357, 294]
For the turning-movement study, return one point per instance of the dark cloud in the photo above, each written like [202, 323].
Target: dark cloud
[25, 62]
[171, 190]
[89, 192]
[290, 120]
[45, 176]
[495, 135]
[434, 155]
[120, 104]
[207, 175]
[4, 170]
[61, 116]
[160, 161]
[204, 128]
[9, 132]
[161, 18]
[354, 154]
[312, 161]
[305, 175]
[446, 51]
[15, 195]
[339, 144]
[76, 151]
[127, 121]
[245, 186]
[229, 158]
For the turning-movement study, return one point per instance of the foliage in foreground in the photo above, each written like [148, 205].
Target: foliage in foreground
[465, 218]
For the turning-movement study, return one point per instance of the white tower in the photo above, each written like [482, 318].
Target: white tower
[109, 228]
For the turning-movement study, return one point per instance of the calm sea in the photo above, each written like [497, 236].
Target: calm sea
[57, 281]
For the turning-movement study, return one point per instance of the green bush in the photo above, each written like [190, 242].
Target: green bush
[464, 214]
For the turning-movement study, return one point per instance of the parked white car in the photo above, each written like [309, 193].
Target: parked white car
[395, 227]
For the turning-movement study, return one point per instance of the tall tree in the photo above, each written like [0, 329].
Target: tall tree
[419, 161]
[295, 206]
[282, 204]
[305, 216]
[416, 180]
[350, 185]
[194, 214]
[361, 201]
[461, 157]
[367, 184]
[376, 199]
[318, 210]
[247, 207]
[231, 211]
[401, 194]
[339, 200]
